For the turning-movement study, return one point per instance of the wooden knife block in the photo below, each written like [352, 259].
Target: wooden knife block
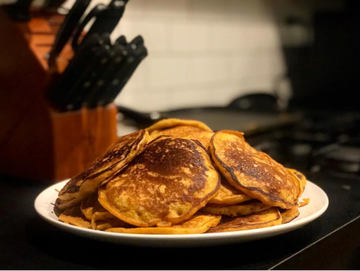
[36, 141]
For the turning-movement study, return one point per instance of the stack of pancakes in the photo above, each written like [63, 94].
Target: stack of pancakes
[180, 177]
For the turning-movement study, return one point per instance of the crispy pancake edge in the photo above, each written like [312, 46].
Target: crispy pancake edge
[290, 214]
[229, 198]
[228, 227]
[71, 193]
[173, 122]
[212, 221]
[246, 208]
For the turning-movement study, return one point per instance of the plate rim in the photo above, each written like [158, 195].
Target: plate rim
[273, 230]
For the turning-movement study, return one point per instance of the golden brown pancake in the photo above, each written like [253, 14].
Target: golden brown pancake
[73, 216]
[301, 177]
[90, 205]
[104, 220]
[246, 208]
[172, 122]
[289, 214]
[253, 172]
[103, 225]
[190, 129]
[197, 224]
[100, 219]
[114, 160]
[267, 218]
[227, 195]
[166, 184]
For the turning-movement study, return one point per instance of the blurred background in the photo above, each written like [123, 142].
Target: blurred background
[208, 52]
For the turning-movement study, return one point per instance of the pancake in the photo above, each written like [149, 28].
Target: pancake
[99, 217]
[289, 214]
[172, 122]
[267, 218]
[166, 184]
[253, 172]
[197, 224]
[73, 216]
[90, 205]
[190, 129]
[114, 160]
[301, 177]
[104, 220]
[227, 195]
[246, 208]
[103, 225]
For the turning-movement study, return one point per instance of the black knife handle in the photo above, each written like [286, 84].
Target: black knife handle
[107, 20]
[117, 70]
[19, 11]
[119, 54]
[80, 89]
[60, 91]
[130, 72]
[93, 13]
[121, 40]
[67, 28]
[132, 62]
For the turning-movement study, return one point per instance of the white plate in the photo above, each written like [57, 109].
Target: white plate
[319, 201]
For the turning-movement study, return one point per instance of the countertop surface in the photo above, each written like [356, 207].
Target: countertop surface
[28, 242]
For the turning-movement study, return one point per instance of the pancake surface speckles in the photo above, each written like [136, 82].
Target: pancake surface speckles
[253, 172]
[166, 184]
[115, 159]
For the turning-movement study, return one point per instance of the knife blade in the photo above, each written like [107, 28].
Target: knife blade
[106, 19]
[79, 29]
[66, 29]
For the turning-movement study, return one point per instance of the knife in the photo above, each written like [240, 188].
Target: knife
[137, 53]
[93, 84]
[66, 29]
[119, 67]
[80, 89]
[117, 86]
[121, 40]
[118, 55]
[106, 19]
[19, 11]
[52, 4]
[60, 93]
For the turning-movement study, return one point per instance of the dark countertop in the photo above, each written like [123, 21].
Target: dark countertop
[28, 242]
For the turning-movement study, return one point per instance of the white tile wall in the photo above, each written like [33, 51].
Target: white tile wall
[201, 52]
